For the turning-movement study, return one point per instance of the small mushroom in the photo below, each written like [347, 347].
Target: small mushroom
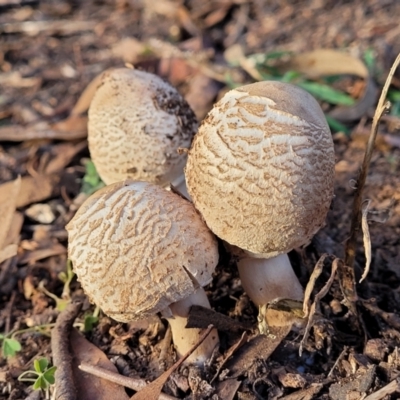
[138, 249]
[260, 171]
[137, 122]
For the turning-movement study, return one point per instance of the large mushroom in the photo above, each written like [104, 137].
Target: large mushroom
[137, 250]
[260, 171]
[137, 122]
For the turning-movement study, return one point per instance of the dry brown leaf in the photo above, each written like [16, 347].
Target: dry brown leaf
[59, 26]
[14, 79]
[15, 229]
[83, 103]
[325, 62]
[216, 16]
[243, 339]
[186, 21]
[30, 257]
[72, 128]
[62, 156]
[33, 189]
[90, 387]
[201, 94]
[259, 347]
[8, 204]
[43, 185]
[128, 49]
[8, 252]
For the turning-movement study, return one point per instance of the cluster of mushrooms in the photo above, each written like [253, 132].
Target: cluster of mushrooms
[259, 174]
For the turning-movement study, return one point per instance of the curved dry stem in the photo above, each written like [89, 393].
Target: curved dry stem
[382, 107]
[265, 280]
[184, 339]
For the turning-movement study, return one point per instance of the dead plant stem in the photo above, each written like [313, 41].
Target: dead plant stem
[382, 107]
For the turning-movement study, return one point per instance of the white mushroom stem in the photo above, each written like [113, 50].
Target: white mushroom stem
[265, 280]
[184, 338]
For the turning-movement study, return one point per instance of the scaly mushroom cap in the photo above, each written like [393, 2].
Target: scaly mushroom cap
[136, 124]
[261, 168]
[136, 248]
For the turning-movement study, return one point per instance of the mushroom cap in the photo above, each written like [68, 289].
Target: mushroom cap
[261, 168]
[136, 248]
[137, 122]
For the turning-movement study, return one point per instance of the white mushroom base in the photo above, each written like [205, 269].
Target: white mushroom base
[265, 280]
[184, 339]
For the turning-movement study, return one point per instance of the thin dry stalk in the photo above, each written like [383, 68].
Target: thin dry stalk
[382, 108]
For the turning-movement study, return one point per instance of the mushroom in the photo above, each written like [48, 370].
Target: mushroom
[260, 171]
[138, 249]
[136, 124]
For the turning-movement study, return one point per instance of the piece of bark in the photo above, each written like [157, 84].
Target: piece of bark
[260, 347]
[62, 356]
[305, 394]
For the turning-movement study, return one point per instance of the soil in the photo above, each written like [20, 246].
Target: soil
[49, 52]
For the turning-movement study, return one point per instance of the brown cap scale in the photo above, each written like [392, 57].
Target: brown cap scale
[138, 249]
[260, 171]
[137, 122]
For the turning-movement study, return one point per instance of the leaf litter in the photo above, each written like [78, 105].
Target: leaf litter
[252, 363]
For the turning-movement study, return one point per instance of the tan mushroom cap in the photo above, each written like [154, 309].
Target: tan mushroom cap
[137, 122]
[261, 168]
[136, 248]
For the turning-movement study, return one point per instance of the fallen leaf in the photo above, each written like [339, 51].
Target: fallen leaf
[128, 49]
[62, 156]
[72, 128]
[83, 103]
[8, 252]
[201, 94]
[14, 79]
[232, 350]
[259, 347]
[326, 62]
[8, 204]
[14, 231]
[90, 387]
[30, 257]
[33, 189]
